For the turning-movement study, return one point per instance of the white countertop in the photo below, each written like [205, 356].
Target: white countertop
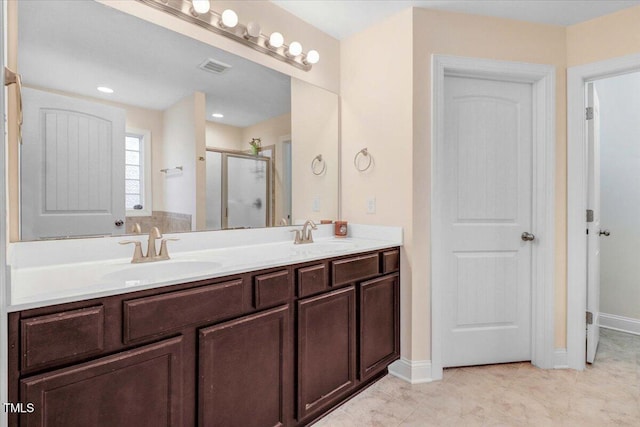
[33, 284]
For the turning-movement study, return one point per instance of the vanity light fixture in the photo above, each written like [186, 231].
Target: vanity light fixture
[227, 24]
[312, 57]
[217, 115]
[229, 19]
[276, 40]
[294, 49]
[252, 31]
[105, 89]
[200, 6]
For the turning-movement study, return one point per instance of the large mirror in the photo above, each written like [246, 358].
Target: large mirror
[129, 125]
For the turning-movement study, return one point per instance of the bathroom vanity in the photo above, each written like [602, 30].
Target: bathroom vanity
[276, 346]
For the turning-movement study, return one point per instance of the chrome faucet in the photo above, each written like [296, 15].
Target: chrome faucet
[304, 235]
[151, 255]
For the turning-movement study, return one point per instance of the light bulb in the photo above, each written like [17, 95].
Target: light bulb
[295, 49]
[253, 30]
[276, 40]
[229, 18]
[201, 6]
[312, 57]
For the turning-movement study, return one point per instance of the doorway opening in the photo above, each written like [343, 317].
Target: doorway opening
[583, 312]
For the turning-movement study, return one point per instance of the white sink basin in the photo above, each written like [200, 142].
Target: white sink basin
[162, 270]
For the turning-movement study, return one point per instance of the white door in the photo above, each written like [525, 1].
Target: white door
[487, 207]
[71, 167]
[593, 227]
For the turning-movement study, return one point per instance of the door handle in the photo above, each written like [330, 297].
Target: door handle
[527, 237]
[606, 233]
[119, 223]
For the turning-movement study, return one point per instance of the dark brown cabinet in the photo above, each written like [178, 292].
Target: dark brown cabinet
[275, 347]
[141, 387]
[379, 328]
[326, 348]
[243, 374]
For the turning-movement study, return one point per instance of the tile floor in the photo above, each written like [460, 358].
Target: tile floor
[605, 394]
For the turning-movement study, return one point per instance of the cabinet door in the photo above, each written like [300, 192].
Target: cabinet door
[326, 348]
[244, 371]
[137, 388]
[379, 324]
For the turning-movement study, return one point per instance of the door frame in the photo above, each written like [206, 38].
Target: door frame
[577, 77]
[542, 77]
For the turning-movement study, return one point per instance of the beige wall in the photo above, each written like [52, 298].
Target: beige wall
[184, 134]
[376, 112]
[314, 130]
[325, 73]
[224, 137]
[386, 94]
[609, 36]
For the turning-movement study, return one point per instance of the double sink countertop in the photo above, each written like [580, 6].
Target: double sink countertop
[99, 270]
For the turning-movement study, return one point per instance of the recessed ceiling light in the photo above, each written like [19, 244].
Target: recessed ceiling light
[105, 89]
[217, 115]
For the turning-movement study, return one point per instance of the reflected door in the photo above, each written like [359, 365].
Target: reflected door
[71, 167]
[238, 189]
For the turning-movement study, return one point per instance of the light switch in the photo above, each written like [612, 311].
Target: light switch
[371, 205]
[316, 204]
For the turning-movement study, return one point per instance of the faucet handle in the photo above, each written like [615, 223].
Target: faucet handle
[164, 252]
[137, 252]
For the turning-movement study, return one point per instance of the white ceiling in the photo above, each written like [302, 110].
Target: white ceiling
[342, 18]
[75, 46]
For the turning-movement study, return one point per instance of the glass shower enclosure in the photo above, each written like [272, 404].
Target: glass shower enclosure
[238, 187]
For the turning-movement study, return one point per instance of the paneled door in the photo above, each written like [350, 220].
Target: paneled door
[487, 211]
[72, 167]
[593, 224]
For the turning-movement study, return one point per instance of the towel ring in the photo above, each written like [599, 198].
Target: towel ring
[365, 153]
[318, 160]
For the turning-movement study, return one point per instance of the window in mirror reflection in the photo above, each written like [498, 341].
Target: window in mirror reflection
[137, 173]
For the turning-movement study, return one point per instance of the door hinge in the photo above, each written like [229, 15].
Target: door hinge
[589, 215]
[589, 318]
[589, 112]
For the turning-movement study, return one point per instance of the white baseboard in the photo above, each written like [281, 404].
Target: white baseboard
[412, 371]
[620, 323]
[560, 359]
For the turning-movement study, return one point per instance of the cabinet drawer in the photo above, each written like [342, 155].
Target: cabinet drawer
[390, 261]
[271, 289]
[149, 316]
[312, 280]
[61, 337]
[353, 269]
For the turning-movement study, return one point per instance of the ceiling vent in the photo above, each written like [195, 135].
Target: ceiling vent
[213, 66]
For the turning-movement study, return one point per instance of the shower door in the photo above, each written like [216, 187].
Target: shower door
[238, 189]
